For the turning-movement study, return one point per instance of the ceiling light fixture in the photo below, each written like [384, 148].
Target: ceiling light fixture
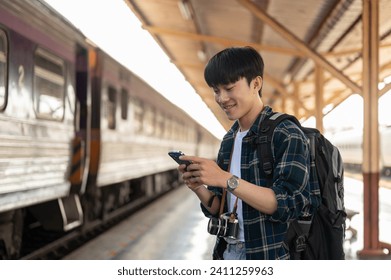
[201, 55]
[185, 9]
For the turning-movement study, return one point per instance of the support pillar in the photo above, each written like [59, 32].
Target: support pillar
[372, 248]
[319, 93]
[296, 90]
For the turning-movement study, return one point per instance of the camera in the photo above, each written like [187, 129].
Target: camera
[227, 225]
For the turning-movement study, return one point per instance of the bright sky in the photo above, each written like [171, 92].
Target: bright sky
[112, 26]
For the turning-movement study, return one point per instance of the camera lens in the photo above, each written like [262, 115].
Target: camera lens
[217, 226]
[232, 230]
[214, 225]
[231, 226]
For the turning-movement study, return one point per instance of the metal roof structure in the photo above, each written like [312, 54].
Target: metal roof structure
[312, 49]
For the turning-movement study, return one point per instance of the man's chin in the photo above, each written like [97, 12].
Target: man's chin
[231, 117]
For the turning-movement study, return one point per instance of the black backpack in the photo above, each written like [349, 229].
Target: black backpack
[322, 236]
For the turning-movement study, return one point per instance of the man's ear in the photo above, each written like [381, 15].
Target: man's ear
[257, 83]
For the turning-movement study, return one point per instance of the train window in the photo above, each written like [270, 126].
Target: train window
[138, 115]
[111, 107]
[149, 121]
[3, 69]
[124, 104]
[168, 128]
[49, 85]
[191, 134]
[159, 124]
[176, 130]
[182, 129]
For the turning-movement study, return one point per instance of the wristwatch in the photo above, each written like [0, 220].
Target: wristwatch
[232, 183]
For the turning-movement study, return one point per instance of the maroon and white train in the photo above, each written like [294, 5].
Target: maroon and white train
[80, 135]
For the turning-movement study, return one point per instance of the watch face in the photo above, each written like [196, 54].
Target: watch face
[233, 182]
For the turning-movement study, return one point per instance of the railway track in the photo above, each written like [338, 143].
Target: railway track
[44, 245]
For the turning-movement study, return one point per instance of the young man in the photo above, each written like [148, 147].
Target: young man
[263, 211]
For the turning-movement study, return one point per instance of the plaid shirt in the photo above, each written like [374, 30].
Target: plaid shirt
[264, 234]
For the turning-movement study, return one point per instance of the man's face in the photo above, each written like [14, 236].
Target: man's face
[236, 99]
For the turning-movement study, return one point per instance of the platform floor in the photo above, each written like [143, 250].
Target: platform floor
[173, 228]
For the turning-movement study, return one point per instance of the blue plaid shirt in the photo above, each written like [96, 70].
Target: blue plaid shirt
[264, 234]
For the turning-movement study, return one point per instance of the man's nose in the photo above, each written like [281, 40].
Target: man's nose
[223, 96]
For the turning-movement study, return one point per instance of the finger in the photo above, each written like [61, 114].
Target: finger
[182, 168]
[190, 158]
[194, 180]
[192, 167]
[196, 174]
[187, 176]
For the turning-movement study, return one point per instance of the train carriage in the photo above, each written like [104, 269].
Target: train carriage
[37, 103]
[350, 144]
[132, 129]
[80, 135]
[133, 137]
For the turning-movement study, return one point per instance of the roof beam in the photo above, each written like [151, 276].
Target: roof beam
[300, 45]
[276, 84]
[271, 80]
[219, 40]
[384, 90]
[351, 51]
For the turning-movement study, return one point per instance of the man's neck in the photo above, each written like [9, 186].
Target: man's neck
[246, 122]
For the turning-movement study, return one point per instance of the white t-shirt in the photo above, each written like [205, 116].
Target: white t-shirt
[235, 170]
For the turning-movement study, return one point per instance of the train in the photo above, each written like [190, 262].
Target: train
[80, 134]
[350, 144]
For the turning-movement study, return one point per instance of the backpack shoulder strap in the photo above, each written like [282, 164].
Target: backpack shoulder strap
[298, 231]
[264, 146]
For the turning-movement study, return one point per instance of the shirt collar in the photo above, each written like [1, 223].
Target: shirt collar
[266, 111]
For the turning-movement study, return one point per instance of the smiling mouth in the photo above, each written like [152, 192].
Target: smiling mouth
[227, 107]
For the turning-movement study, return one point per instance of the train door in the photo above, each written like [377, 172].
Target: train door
[86, 143]
[80, 159]
[91, 199]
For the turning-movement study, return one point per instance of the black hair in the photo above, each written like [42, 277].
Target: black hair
[230, 65]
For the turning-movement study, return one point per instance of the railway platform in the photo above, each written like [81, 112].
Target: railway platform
[173, 228]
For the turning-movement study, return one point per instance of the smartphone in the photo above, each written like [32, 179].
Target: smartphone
[176, 154]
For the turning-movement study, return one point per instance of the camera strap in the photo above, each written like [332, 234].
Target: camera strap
[223, 198]
[222, 202]
[235, 206]
[233, 213]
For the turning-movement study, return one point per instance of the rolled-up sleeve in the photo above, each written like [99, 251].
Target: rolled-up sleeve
[218, 193]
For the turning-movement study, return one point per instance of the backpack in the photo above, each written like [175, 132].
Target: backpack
[322, 235]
